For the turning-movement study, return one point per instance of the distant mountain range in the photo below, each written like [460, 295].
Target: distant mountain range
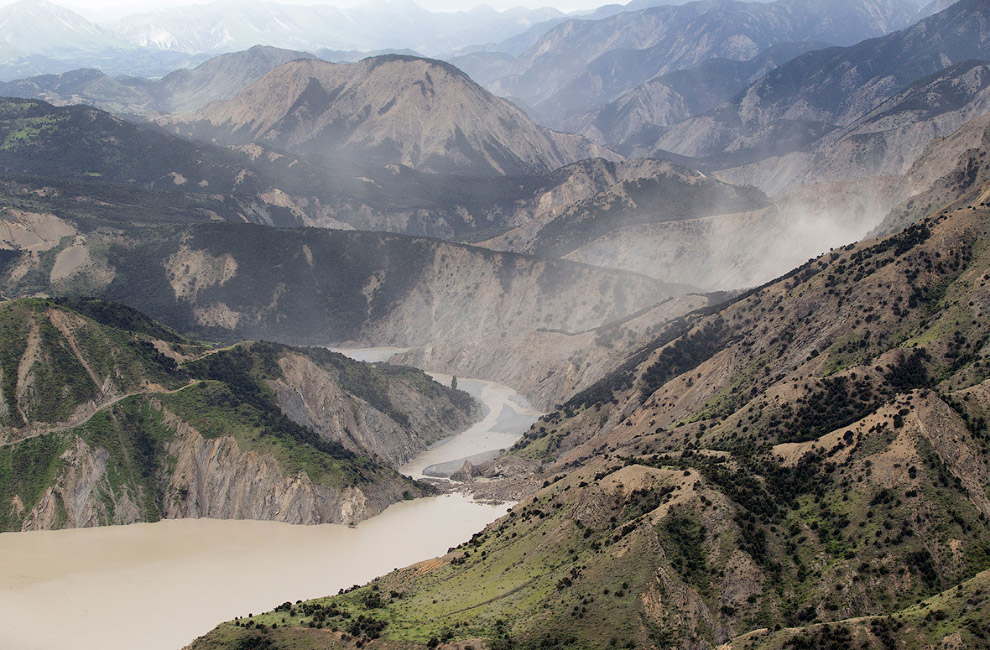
[843, 113]
[225, 26]
[183, 90]
[581, 64]
[38, 37]
[639, 116]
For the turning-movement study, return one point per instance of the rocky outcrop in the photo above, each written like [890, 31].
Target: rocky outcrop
[81, 496]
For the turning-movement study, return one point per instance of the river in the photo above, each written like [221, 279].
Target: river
[158, 586]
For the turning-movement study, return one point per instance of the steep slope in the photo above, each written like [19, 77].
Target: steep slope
[813, 451]
[387, 110]
[835, 87]
[82, 144]
[220, 78]
[110, 418]
[86, 153]
[582, 64]
[964, 155]
[671, 193]
[884, 142]
[676, 224]
[953, 618]
[639, 116]
[317, 287]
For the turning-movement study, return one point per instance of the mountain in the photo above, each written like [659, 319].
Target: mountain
[79, 143]
[224, 26]
[962, 154]
[353, 56]
[666, 193]
[81, 156]
[803, 466]
[40, 27]
[483, 67]
[220, 78]
[680, 225]
[885, 142]
[581, 65]
[120, 420]
[81, 152]
[831, 88]
[638, 117]
[387, 110]
[42, 38]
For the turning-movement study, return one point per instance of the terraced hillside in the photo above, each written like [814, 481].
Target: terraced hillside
[107, 417]
[810, 459]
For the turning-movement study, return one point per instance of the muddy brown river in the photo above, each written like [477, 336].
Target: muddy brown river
[158, 586]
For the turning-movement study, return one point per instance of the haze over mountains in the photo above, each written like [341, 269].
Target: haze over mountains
[41, 37]
[764, 429]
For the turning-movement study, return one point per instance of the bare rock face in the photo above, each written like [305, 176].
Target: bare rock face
[214, 478]
[208, 478]
[80, 496]
[252, 431]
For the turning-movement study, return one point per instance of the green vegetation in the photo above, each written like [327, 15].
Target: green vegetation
[93, 382]
[809, 458]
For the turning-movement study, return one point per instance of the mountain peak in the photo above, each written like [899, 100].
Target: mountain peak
[389, 109]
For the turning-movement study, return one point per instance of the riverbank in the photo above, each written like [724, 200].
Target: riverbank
[507, 417]
[169, 582]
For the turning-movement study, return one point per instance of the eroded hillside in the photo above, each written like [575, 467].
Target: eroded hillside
[110, 418]
[387, 110]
